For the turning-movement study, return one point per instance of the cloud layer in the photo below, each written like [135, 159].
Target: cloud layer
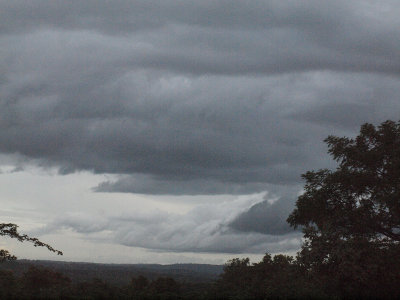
[194, 98]
[161, 92]
[205, 228]
[228, 36]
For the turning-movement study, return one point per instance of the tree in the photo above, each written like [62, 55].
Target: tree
[11, 230]
[362, 196]
[278, 277]
[351, 216]
[236, 280]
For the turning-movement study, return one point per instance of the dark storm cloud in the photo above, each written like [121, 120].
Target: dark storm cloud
[268, 217]
[228, 37]
[119, 17]
[181, 97]
[145, 185]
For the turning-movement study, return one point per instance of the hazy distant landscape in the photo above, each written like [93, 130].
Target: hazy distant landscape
[120, 274]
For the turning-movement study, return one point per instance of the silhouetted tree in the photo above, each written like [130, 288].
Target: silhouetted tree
[361, 197]
[10, 230]
[351, 216]
[236, 281]
[272, 278]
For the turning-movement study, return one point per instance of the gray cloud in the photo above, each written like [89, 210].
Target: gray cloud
[205, 228]
[146, 185]
[181, 97]
[269, 217]
[236, 133]
[228, 37]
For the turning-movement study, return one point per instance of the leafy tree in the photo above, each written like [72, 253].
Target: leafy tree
[351, 216]
[362, 196]
[272, 278]
[11, 230]
[237, 272]
[236, 281]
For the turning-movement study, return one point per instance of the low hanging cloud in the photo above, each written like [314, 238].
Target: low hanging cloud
[205, 228]
[182, 133]
[181, 97]
[146, 185]
[268, 217]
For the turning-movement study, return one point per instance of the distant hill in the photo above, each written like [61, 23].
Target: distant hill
[121, 274]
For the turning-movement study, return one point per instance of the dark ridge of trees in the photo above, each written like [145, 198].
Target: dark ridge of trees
[45, 283]
[121, 274]
[273, 277]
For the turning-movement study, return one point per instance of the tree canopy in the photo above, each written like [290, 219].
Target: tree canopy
[351, 216]
[362, 196]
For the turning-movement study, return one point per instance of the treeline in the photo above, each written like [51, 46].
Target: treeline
[358, 271]
[45, 283]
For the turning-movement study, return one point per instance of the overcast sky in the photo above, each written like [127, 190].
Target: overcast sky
[177, 131]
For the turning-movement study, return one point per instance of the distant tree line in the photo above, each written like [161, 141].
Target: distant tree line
[45, 283]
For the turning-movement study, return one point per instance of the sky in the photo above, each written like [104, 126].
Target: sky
[177, 131]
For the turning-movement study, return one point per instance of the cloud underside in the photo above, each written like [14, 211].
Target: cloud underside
[194, 98]
[188, 94]
[205, 228]
[166, 133]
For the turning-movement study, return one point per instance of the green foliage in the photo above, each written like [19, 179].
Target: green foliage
[361, 197]
[351, 216]
[236, 280]
[274, 277]
[351, 223]
[11, 230]
[6, 255]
